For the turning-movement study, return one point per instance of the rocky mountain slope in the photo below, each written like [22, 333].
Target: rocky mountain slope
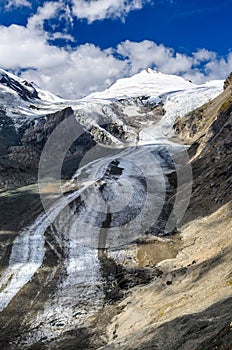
[105, 262]
[208, 131]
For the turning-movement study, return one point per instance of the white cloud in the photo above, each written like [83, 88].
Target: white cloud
[70, 73]
[143, 54]
[47, 11]
[17, 3]
[100, 9]
[91, 10]
[204, 55]
[75, 72]
[82, 71]
[148, 54]
[219, 68]
[23, 48]
[50, 10]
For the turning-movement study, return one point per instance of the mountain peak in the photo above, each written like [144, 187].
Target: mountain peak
[148, 82]
[24, 89]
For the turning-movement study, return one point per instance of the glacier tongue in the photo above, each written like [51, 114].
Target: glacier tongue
[178, 104]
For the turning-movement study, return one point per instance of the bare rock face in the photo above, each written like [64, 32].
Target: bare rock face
[208, 131]
[20, 149]
[25, 90]
[228, 81]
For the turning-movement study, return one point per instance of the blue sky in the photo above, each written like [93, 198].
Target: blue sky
[74, 47]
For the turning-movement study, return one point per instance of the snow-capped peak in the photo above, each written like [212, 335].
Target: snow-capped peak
[26, 90]
[146, 83]
[23, 100]
[142, 93]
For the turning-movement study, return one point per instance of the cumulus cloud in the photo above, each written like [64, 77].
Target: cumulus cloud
[219, 68]
[77, 71]
[24, 48]
[100, 9]
[86, 69]
[91, 10]
[149, 54]
[17, 3]
[203, 55]
[51, 10]
[45, 12]
[67, 72]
